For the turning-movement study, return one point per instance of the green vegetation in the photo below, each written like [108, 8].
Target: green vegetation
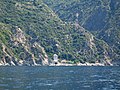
[45, 33]
[101, 17]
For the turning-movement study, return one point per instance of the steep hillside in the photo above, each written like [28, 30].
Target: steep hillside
[94, 15]
[16, 48]
[31, 33]
[101, 17]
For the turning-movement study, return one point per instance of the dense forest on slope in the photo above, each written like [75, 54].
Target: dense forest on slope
[101, 17]
[31, 33]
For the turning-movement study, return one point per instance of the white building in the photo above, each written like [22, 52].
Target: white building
[55, 57]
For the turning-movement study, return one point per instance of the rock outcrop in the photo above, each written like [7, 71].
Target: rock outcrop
[22, 51]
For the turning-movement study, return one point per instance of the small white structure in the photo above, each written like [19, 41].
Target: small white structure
[55, 57]
[76, 21]
[77, 14]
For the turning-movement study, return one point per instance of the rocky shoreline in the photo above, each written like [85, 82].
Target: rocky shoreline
[80, 64]
[58, 64]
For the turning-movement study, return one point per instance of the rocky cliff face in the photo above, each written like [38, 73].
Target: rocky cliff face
[31, 33]
[19, 50]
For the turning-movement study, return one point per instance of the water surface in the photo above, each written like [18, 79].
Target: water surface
[59, 78]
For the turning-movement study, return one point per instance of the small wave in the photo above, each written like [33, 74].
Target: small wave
[71, 71]
[96, 76]
[48, 84]
[105, 80]
[28, 87]
[43, 84]
[3, 85]
[87, 86]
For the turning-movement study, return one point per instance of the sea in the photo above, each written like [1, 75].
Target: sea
[60, 78]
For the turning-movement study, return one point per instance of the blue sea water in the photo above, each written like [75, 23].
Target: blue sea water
[60, 78]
